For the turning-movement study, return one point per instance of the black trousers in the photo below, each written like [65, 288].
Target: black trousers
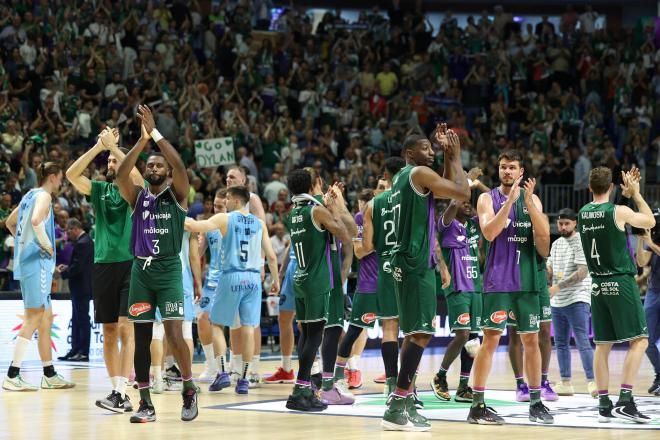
[80, 323]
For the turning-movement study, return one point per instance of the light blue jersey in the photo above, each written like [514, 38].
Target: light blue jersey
[186, 270]
[214, 240]
[242, 244]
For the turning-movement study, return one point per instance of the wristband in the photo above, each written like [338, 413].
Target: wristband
[155, 135]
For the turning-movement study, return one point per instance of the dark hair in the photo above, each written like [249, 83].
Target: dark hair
[46, 169]
[600, 179]
[411, 141]
[73, 223]
[240, 192]
[240, 168]
[394, 164]
[299, 181]
[366, 195]
[222, 193]
[511, 156]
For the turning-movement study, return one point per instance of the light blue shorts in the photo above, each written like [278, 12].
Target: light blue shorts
[238, 292]
[36, 283]
[287, 297]
[188, 308]
[206, 301]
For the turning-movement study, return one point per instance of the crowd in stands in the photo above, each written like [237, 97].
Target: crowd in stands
[336, 96]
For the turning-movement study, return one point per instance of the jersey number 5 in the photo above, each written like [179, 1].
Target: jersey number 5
[244, 251]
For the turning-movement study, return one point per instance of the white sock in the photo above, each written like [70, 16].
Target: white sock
[246, 368]
[169, 362]
[208, 353]
[238, 363]
[254, 365]
[121, 386]
[221, 363]
[47, 363]
[19, 351]
[353, 362]
[316, 367]
[115, 381]
[157, 373]
[286, 363]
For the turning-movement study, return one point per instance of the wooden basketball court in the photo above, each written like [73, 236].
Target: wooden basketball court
[68, 414]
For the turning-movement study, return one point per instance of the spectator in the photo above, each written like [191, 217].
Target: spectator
[648, 253]
[280, 241]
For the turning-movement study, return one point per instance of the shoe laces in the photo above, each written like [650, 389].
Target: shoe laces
[189, 398]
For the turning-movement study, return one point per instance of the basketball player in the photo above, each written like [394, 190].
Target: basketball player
[112, 264]
[460, 236]
[237, 176]
[33, 226]
[159, 211]
[512, 220]
[310, 224]
[244, 239]
[212, 338]
[378, 236]
[413, 259]
[365, 307]
[616, 308]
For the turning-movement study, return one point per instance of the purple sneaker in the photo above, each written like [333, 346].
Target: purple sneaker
[336, 397]
[522, 393]
[242, 386]
[221, 381]
[547, 393]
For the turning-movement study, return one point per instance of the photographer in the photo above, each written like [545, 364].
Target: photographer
[648, 252]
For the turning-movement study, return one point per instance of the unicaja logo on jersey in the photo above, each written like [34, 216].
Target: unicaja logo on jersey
[368, 318]
[139, 308]
[595, 289]
[498, 317]
[463, 319]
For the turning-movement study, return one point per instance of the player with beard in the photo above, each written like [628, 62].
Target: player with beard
[513, 223]
[112, 263]
[159, 211]
[414, 189]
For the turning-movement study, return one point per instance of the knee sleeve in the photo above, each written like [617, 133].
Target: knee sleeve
[159, 331]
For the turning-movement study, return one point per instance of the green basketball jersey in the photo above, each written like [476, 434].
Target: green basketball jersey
[413, 212]
[310, 244]
[157, 224]
[382, 215]
[112, 236]
[605, 245]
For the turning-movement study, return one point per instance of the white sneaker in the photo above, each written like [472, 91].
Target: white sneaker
[234, 375]
[563, 389]
[342, 386]
[17, 384]
[158, 386]
[254, 380]
[208, 375]
[592, 389]
[172, 385]
[55, 382]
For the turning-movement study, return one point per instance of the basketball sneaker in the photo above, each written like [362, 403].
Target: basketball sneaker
[539, 413]
[354, 379]
[307, 402]
[158, 386]
[126, 403]
[390, 386]
[484, 415]
[242, 386]
[565, 389]
[380, 379]
[56, 382]
[605, 414]
[342, 386]
[112, 402]
[17, 384]
[221, 382]
[317, 381]
[440, 388]
[335, 397]
[281, 376]
[547, 393]
[411, 410]
[522, 393]
[655, 386]
[464, 394]
[396, 418]
[592, 389]
[628, 411]
[418, 402]
[189, 409]
[173, 373]
[171, 385]
[209, 374]
[144, 414]
[254, 380]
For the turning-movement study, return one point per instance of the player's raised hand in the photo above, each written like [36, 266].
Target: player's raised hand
[630, 183]
[147, 118]
[515, 189]
[439, 135]
[529, 186]
[107, 138]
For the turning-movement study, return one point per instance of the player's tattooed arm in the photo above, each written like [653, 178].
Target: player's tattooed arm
[337, 207]
[577, 276]
[11, 221]
[129, 190]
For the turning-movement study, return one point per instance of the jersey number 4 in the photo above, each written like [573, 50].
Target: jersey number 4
[594, 251]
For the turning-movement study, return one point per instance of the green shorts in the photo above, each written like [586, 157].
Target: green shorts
[312, 308]
[385, 292]
[365, 306]
[464, 309]
[617, 313]
[545, 311]
[439, 291]
[521, 307]
[336, 308]
[158, 284]
[416, 300]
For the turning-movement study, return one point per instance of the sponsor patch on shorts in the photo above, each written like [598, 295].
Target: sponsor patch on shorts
[498, 317]
[139, 308]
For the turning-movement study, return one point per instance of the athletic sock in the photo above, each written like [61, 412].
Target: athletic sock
[20, 347]
[603, 399]
[222, 363]
[254, 364]
[169, 362]
[245, 369]
[477, 396]
[625, 395]
[49, 369]
[354, 362]
[238, 363]
[339, 370]
[208, 354]
[464, 379]
[120, 387]
[328, 381]
[411, 354]
[519, 381]
[187, 382]
[544, 376]
[390, 352]
[144, 393]
[115, 381]
[286, 363]
[442, 372]
[534, 395]
[157, 373]
[299, 387]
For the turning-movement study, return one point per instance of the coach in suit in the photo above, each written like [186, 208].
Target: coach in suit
[79, 274]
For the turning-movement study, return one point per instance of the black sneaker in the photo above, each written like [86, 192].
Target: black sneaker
[418, 403]
[628, 411]
[173, 373]
[112, 402]
[317, 381]
[298, 402]
[484, 415]
[144, 414]
[316, 403]
[189, 409]
[126, 403]
[538, 413]
[655, 388]
[605, 414]
[464, 394]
